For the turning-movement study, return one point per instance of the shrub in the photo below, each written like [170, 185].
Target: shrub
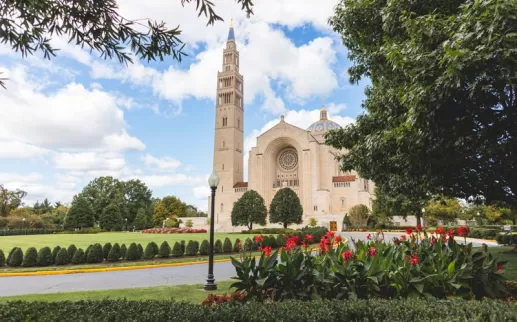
[218, 246]
[204, 248]
[2, 258]
[280, 240]
[236, 247]
[140, 251]
[264, 231]
[62, 257]
[123, 251]
[71, 251]
[87, 250]
[248, 244]
[272, 242]
[165, 250]
[177, 250]
[132, 252]
[149, 252]
[45, 257]
[227, 246]
[313, 222]
[189, 223]
[79, 257]
[16, 257]
[95, 255]
[191, 249]
[10, 255]
[54, 253]
[106, 250]
[155, 247]
[114, 254]
[31, 257]
[183, 246]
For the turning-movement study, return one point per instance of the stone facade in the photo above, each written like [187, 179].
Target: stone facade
[284, 156]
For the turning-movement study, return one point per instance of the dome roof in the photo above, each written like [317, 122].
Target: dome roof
[323, 125]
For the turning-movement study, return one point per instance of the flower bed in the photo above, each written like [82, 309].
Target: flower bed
[174, 231]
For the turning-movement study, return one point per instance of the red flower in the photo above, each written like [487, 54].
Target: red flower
[308, 237]
[291, 243]
[372, 251]
[463, 231]
[296, 239]
[267, 251]
[305, 245]
[403, 237]
[440, 230]
[409, 231]
[330, 234]
[414, 260]
[324, 245]
[419, 227]
[258, 239]
[433, 240]
[369, 236]
[347, 255]
[500, 267]
[337, 239]
[450, 232]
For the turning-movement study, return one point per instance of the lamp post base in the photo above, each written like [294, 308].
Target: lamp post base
[210, 284]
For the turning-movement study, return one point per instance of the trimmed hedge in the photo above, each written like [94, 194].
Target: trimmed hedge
[227, 246]
[32, 231]
[45, 257]
[507, 239]
[123, 251]
[287, 311]
[79, 257]
[132, 252]
[71, 251]
[106, 250]
[31, 257]
[114, 254]
[149, 252]
[165, 250]
[54, 253]
[204, 248]
[16, 258]
[2, 258]
[218, 247]
[62, 257]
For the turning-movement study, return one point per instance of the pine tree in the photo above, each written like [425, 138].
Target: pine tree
[16, 258]
[218, 247]
[80, 215]
[71, 251]
[114, 254]
[165, 250]
[227, 246]
[204, 248]
[106, 250]
[62, 257]
[31, 257]
[132, 252]
[79, 257]
[286, 208]
[111, 218]
[45, 257]
[140, 221]
[176, 250]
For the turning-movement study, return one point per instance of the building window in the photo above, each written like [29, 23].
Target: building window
[239, 124]
[222, 207]
[224, 144]
[315, 208]
[225, 121]
[222, 188]
[342, 184]
[343, 203]
[223, 166]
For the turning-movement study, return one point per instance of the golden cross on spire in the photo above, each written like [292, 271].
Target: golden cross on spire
[231, 23]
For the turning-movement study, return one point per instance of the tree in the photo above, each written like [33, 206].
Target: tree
[80, 214]
[358, 215]
[442, 107]
[137, 196]
[140, 219]
[111, 218]
[96, 25]
[387, 204]
[102, 192]
[249, 209]
[167, 207]
[286, 208]
[10, 199]
[442, 208]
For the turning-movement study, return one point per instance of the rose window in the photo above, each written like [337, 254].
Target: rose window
[288, 159]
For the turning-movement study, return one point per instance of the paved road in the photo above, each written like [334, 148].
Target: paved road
[194, 274]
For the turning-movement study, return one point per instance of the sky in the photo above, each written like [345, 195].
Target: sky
[76, 117]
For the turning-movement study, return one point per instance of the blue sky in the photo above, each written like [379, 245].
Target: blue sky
[66, 121]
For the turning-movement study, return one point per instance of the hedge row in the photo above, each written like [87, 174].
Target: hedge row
[324, 311]
[31, 231]
[506, 239]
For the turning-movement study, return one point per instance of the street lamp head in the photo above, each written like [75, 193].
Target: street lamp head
[23, 219]
[423, 210]
[213, 181]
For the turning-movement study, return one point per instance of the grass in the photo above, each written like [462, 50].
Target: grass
[187, 293]
[83, 240]
[503, 253]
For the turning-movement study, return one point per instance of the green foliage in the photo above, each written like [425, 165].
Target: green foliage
[111, 218]
[141, 219]
[177, 250]
[237, 246]
[87, 250]
[114, 253]
[79, 257]
[183, 246]
[31, 257]
[54, 253]
[123, 251]
[45, 257]
[250, 209]
[132, 252]
[140, 251]
[155, 247]
[167, 207]
[191, 249]
[71, 251]
[218, 247]
[95, 255]
[286, 208]
[204, 248]
[80, 214]
[62, 257]
[2, 258]
[165, 250]
[227, 246]
[189, 223]
[442, 208]
[106, 250]
[149, 252]
[313, 222]
[10, 255]
[248, 244]
[16, 258]
[358, 215]
[9, 199]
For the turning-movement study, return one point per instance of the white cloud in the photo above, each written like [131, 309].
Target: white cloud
[89, 161]
[161, 181]
[201, 192]
[19, 150]
[11, 178]
[163, 164]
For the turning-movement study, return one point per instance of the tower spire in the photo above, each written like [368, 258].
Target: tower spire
[231, 33]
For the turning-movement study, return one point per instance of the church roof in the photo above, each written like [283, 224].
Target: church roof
[231, 33]
[241, 185]
[343, 179]
[323, 125]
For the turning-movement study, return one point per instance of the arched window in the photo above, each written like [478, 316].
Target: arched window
[222, 188]
[343, 203]
[223, 166]
[225, 121]
[239, 124]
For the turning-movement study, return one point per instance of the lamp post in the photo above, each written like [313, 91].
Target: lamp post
[423, 212]
[24, 226]
[210, 285]
[126, 224]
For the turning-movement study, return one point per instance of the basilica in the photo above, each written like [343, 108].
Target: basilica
[284, 156]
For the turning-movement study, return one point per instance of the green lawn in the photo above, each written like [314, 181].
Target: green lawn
[187, 293]
[83, 240]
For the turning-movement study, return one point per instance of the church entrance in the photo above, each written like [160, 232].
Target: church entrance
[333, 226]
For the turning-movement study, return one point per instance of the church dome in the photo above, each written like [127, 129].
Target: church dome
[323, 125]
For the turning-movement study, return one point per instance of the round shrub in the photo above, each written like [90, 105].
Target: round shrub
[62, 257]
[218, 246]
[114, 254]
[204, 248]
[45, 257]
[16, 259]
[95, 254]
[31, 257]
[123, 251]
[149, 251]
[165, 250]
[71, 251]
[106, 250]
[191, 249]
[236, 247]
[280, 240]
[79, 257]
[272, 241]
[2, 258]
[248, 244]
[177, 250]
[87, 250]
[10, 255]
[140, 251]
[227, 246]
[155, 247]
[132, 252]
[183, 246]
[54, 253]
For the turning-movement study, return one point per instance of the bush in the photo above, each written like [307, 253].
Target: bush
[189, 223]
[31, 257]
[87, 250]
[132, 252]
[218, 247]
[272, 242]
[79, 257]
[177, 250]
[10, 255]
[316, 232]
[114, 254]
[123, 251]
[236, 247]
[140, 251]
[149, 252]
[62, 257]
[280, 240]
[155, 247]
[248, 244]
[54, 253]
[16, 259]
[313, 222]
[71, 251]
[2, 258]
[267, 231]
[204, 248]
[507, 239]
[106, 250]
[165, 250]
[45, 257]
[95, 255]
[183, 246]
[227, 246]
[191, 249]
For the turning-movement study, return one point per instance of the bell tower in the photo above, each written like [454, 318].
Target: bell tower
[229, 125]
